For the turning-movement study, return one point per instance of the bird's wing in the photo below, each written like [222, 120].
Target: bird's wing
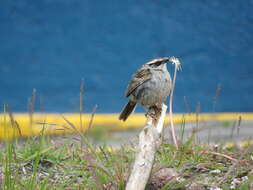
[138, 79]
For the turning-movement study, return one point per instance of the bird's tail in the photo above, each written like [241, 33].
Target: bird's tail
[128, 109]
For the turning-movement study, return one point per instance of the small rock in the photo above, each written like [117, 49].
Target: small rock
[244, 178]
[235, 183]
[217, 171]
[194, 186]
[215, 188]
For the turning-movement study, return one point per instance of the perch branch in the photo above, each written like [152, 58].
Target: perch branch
[149, 141]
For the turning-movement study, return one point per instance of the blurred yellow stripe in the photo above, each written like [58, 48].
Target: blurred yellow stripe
[55, 124]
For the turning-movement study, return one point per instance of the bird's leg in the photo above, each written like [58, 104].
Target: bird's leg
[158, 109]
[151, 115]
[154, 113]
[151, 112]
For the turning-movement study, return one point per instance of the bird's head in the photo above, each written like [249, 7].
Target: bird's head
[158, 63]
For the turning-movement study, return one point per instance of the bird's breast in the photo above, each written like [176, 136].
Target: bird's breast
[154, 90]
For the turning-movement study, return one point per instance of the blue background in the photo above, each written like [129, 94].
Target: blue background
[51, 45]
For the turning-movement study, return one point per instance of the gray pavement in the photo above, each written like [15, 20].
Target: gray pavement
[210, 132]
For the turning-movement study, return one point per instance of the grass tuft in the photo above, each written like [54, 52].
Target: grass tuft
[44, 163]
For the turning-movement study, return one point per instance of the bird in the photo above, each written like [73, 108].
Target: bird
[149, 87]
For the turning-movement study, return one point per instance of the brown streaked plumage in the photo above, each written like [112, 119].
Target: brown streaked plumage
[148, 87]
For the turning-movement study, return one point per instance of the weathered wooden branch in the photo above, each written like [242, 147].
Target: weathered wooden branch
[149, 141]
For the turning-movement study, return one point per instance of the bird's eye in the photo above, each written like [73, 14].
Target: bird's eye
[157, 64]
[152, 65]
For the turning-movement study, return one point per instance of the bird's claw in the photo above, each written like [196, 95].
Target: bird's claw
[154, 113]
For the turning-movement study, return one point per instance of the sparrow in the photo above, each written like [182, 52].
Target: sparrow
[150, 86]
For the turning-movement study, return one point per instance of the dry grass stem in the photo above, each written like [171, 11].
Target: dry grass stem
[221, 155]
[177, 64]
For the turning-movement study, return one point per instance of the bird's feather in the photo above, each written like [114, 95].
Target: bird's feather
[143, 75]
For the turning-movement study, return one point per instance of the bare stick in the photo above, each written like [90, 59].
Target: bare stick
[221, 155]
[149, 141]
[91, 118]
[177, 63]
[81, 104]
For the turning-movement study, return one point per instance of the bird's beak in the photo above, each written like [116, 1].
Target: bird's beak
[161, 63]
[165, 59]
